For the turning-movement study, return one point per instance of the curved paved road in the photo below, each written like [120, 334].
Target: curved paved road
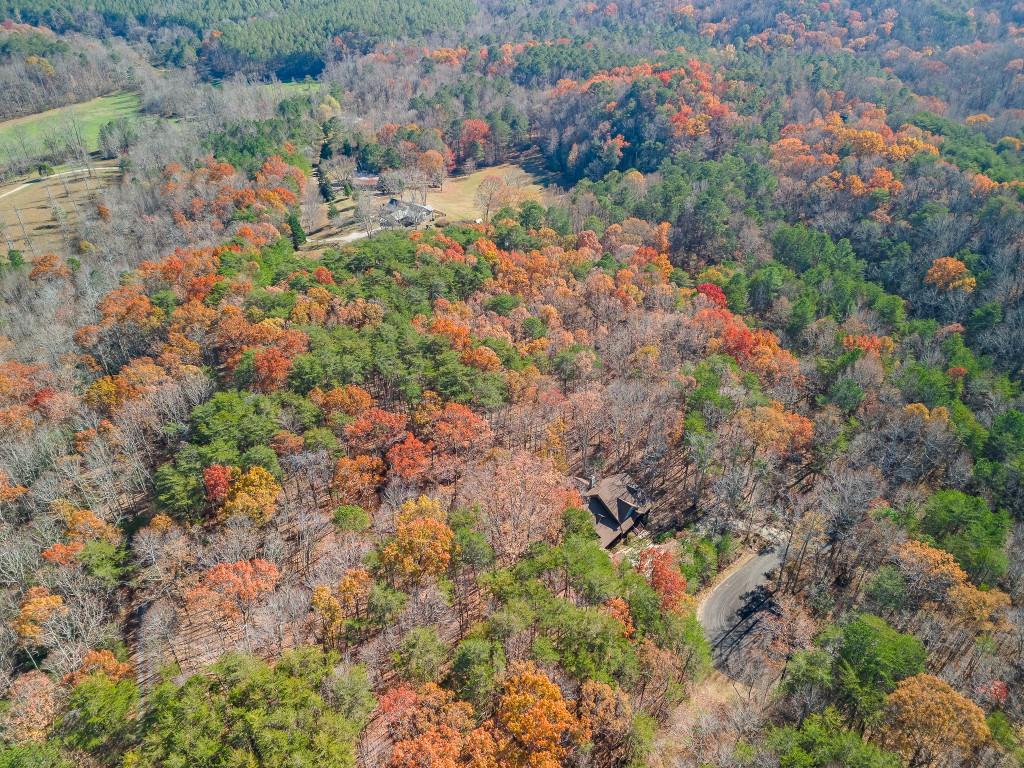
[732, 608]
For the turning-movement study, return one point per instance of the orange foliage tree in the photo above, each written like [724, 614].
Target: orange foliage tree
[533, 724]
[522, 497]
[37, 608]
[234, 589]
[949, 274]
[81, 527]
[356, 480]
[349, 400]
[473, 138]
[930, 724]
[270, 369]
[772, 429]
[102, 662]
[347, 599]
[430, 727]
[9, 492]
[433, 165]
[34, 704]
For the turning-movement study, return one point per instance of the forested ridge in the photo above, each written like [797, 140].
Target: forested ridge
[273, 497]
[290, 39]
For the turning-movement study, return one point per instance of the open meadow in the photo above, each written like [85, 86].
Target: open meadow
[29, 135]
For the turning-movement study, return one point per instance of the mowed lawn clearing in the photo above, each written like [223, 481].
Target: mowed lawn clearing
[457, 199]
[29, 132]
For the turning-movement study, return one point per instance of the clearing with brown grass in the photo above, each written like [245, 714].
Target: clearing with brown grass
[457, 198]
[38, 215]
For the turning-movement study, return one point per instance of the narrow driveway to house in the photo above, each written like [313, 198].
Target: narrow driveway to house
[733, 607]
[351, 237]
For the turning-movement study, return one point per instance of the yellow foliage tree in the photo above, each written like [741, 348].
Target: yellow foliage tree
[328, 612]
[252, 493]
[421, 547]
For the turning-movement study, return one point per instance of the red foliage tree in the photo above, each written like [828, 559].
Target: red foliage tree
[217, 481]
[662, 572]
[375, 430]
[410, 459]
[713, 292]
[457, 433]
[270, 368]
[323, 276]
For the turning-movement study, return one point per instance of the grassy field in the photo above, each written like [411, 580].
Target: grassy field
[457, 199]
[30, 131]
[299, 87]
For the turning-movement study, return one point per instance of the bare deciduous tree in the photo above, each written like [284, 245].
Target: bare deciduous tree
[368, 211]
[490, 195]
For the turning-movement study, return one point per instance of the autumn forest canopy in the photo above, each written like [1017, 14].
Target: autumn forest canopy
[442, 384]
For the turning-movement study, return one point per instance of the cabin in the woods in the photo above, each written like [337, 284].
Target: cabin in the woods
[618, 505]
[399, 213]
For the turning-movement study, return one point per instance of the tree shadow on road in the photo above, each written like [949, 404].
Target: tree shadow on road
[728, 647]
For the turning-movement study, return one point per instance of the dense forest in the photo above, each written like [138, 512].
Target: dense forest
[272, 498]
[291, 39]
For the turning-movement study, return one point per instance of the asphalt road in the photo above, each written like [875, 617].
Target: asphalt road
[733, 606]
